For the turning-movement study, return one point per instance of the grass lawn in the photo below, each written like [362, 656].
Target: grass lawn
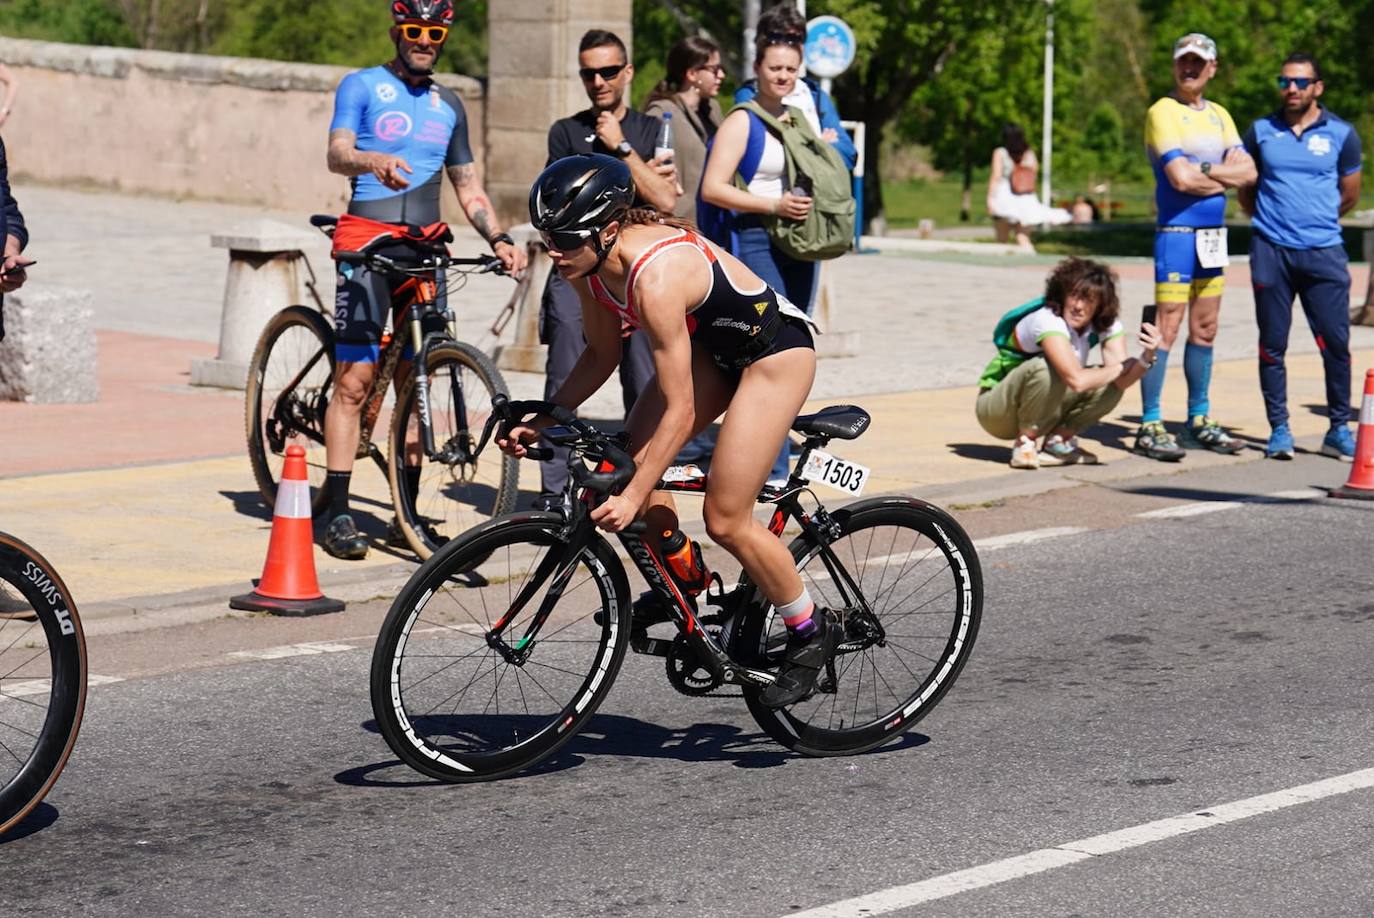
[1130, 232]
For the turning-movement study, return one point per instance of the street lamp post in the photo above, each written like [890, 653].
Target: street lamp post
[1047, 129]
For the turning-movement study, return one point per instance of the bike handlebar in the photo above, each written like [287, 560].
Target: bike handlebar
[586, 438]
[432, 261]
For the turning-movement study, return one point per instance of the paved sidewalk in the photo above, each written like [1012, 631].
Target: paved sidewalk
[145, 500]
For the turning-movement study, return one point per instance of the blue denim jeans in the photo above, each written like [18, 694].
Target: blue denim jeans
[794, 279]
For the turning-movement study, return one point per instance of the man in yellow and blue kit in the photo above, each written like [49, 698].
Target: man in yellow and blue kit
[1196, 154]
[1309, 164]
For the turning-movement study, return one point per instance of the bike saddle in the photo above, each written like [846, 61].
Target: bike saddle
[323, 220]
[843, 421]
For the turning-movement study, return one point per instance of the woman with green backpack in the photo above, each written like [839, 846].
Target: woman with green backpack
[1040, 383]
[787, 189]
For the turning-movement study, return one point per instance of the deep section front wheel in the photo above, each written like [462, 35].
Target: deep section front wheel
[42, 678]
[290, 379]
[909, 591]
[439, 497]
[461, 695]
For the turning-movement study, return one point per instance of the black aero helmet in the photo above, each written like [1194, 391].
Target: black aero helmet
[440, 11]
[578, 196]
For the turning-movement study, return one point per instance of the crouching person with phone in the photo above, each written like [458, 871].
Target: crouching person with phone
[14, 236]
[1040, 384]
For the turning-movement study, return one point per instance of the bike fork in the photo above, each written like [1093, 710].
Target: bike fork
[422, 388]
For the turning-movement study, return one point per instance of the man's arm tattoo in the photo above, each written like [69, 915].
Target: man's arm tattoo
[462, 176]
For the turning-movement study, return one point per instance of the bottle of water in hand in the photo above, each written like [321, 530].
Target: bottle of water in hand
[663, 146]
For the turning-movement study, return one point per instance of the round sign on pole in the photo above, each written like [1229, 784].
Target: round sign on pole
[830, 47]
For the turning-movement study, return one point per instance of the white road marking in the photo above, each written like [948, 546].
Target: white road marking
[992, 543]
[31, 687]
[292, 650]
[1024, 865]
[1212, 506]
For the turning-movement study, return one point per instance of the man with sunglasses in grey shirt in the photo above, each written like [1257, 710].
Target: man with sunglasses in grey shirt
[612, 128]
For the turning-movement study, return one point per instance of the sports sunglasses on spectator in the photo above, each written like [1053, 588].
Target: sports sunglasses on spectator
[565, 240]
[1300, 82]
[606, 73]
[434, 33]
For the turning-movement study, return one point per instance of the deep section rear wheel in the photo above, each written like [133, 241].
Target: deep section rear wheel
[42, 678]
[920, 581]
[439, 498]
[290, 380]
[448, 701]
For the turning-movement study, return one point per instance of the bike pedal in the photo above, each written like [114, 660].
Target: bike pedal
[653, 647]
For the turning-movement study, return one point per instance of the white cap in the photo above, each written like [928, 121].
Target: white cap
[1196, 43]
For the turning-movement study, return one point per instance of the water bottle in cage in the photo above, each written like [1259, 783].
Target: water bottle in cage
[685, 563]
[663, 146]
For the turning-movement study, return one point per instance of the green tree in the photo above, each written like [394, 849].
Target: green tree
[84, 22]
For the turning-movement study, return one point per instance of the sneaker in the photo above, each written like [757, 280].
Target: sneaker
[1204, 433]
[803, 660]
[1339, 444]
[1280, 443]
[1154, 441]
[1058, 451]
[648, 610]
[1024, 455]
[396, 537]
[343, 540]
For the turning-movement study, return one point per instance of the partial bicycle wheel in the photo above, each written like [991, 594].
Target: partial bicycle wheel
[438, 499]
[289, 383]
[42, 678]
[458, 707]
[904, 644]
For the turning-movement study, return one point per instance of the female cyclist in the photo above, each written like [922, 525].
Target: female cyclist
[721, 339]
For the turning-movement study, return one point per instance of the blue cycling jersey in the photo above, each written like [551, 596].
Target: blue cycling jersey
[424, 125]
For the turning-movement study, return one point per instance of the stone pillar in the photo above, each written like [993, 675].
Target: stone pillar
[533, 83]
[267, 272]
[49, 354]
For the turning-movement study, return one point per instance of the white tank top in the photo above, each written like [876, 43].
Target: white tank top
[768, 178]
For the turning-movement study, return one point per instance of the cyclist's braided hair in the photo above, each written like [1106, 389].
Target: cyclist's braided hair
[1085, 279]
[647, 214]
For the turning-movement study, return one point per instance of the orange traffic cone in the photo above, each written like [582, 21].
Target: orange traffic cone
[1361, 483]
[288, 585]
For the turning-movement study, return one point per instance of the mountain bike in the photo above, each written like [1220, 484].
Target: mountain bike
[42, 678]
[504, 643]
[444, 399]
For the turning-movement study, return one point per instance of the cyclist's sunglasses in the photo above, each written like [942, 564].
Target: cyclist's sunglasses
[565, 240]
[1300, 82]
[435, 34]
[606, 73]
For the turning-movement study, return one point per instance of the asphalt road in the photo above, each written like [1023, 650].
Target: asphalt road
[1140, 668]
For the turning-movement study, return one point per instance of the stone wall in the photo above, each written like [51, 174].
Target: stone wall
[231, 129]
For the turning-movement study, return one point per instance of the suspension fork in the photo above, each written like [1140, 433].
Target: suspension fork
[420, 370]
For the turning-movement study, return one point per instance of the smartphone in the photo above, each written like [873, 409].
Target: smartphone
[24, 267]
[803, 186]
[1149, 314]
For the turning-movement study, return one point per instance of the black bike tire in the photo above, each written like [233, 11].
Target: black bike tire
[20, 565]
[290, 317]
[450, 561]
[483, 369]
[954, 544]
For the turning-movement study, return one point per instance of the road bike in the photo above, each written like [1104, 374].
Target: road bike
[42, 678]
[504, 643]
[440, 403]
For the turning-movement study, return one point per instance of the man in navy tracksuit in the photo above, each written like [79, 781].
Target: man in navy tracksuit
[1309, 174]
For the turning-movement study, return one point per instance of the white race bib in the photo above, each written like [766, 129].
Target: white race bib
[834, 472]
[1211, 247]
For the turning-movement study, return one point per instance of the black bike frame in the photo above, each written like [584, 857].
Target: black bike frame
[722, 664]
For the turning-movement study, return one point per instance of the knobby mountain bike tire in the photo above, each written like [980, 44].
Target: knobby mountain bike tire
[452, 707]
[920, 575]
[42, 678]
[456, 492]
[290, 381]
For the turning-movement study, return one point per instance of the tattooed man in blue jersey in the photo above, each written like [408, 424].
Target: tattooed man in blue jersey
[395, 133]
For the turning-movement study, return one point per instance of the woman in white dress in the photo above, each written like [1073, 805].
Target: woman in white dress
[1011, 190]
